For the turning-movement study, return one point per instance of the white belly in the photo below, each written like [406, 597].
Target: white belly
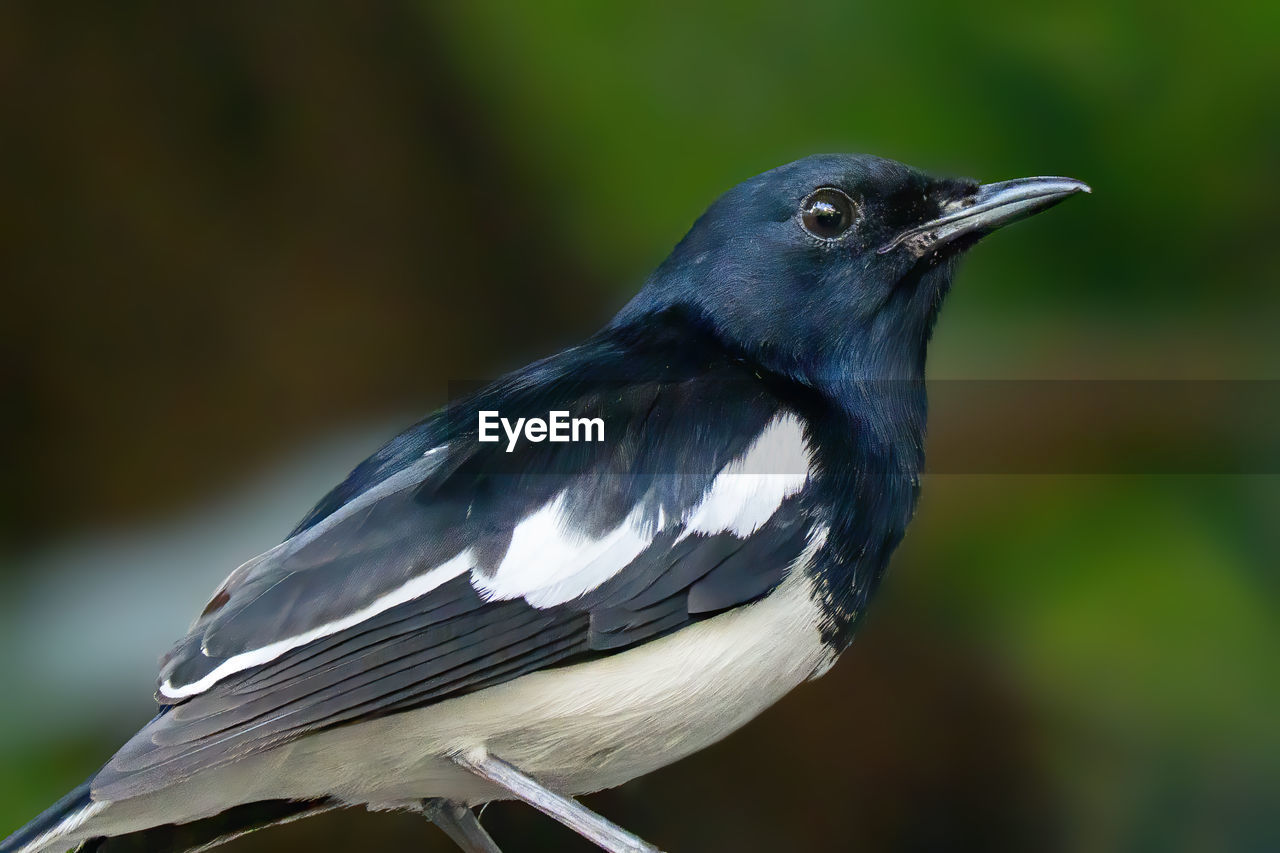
[579, 728]
[585, 727]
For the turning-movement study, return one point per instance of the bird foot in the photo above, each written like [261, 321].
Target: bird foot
[598, 830]
[460, 824]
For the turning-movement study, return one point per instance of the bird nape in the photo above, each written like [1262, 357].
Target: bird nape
[465, 619]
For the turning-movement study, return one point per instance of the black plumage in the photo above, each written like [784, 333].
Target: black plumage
[764, 409]
[671, 429]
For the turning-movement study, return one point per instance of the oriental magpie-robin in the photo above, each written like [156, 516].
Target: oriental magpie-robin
[461, 621]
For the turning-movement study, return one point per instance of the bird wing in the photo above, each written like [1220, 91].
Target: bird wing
[471, 566]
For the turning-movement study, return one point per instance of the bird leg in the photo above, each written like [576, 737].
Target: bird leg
[459, 823]
[591, 826]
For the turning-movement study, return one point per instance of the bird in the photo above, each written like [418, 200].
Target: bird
[464, 619]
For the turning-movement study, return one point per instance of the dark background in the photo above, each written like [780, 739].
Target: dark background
[243, 244]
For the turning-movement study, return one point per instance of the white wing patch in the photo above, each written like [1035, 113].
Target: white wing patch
[750, 489]
[548, 563]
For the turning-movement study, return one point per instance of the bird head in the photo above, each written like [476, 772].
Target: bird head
[835, 265]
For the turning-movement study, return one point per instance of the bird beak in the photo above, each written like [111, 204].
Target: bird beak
[991, 207]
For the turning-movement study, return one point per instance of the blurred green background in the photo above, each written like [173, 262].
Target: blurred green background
[243, 244]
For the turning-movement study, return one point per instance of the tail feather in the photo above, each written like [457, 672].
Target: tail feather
[69, 814]
[208, 832]
[60, 819]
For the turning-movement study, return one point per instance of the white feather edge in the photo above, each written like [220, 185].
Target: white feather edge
[411, 589]
[68, 825]
[548, 564]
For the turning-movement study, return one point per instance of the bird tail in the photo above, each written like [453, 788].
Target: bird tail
[210, 831]
[58, 821]
[62, 826]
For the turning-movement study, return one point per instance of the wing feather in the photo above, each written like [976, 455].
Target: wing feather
[603, 563]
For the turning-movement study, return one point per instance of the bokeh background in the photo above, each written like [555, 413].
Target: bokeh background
[242, 244]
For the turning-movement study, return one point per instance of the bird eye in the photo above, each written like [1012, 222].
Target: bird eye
[827, 213]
